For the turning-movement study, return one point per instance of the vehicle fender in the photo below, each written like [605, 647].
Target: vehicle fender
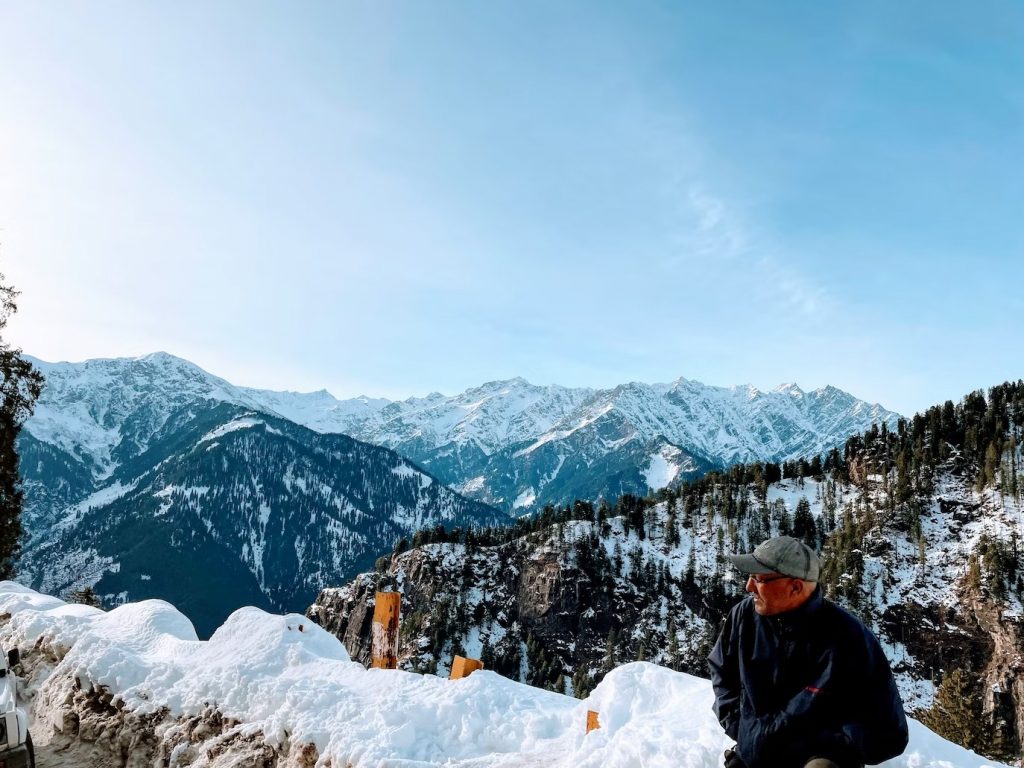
[16, 722]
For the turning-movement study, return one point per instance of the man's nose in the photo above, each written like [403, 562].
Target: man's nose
[751, 586]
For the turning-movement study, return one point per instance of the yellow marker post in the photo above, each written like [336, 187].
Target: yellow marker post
[592, 721]
[462, 667]
[384, 646]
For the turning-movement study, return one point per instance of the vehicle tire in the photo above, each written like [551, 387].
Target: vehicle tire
[31, 751]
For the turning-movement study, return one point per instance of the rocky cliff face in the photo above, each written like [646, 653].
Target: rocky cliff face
[348, 614]
[556, 602]
[1002, 676]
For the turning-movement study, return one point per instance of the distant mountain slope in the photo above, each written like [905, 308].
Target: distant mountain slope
[225, 506]
[507, 443]
[95, 416]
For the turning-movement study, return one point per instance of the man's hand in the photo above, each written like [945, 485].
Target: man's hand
[733, 760]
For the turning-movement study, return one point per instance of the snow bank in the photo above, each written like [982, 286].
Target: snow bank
[286, 679]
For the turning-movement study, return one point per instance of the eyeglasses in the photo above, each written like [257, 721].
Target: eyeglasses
[762, 579]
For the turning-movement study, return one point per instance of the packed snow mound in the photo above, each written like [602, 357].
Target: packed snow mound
[288, 679]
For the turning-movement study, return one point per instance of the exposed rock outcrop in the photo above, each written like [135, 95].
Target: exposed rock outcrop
[534, 609]
[1003, 674]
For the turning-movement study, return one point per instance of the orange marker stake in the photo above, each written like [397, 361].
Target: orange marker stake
[462, 667]
[384, 646]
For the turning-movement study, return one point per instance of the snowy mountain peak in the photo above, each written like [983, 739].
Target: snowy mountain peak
[501, 387]
[163, 358]
[829, 390]
[751, 391]
[89, 409]
[790, 388]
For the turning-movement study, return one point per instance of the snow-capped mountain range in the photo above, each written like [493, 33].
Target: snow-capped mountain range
[511, 444]
[519, 446]
[145, 476]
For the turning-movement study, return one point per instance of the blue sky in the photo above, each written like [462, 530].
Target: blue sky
[396, 198]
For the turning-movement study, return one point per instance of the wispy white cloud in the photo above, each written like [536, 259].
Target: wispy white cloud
[714, 235]
[711, 214]
[707, 229]
[803, 295]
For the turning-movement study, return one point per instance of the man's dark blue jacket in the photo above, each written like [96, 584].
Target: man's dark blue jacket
[811, 682]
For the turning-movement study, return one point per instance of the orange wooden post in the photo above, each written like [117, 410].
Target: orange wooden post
[384, 646]
[592, 722]
[462, 667]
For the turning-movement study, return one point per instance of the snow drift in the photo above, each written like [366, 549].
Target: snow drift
[266, 687]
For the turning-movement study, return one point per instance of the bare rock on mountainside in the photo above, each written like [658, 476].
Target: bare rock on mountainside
[532, 608]
[1003, 676]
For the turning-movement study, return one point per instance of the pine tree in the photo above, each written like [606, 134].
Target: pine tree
[582, 682]
[486, 654]
[672, 653]
[19, 390]
[782, 517]
[988, 471]
[85, 596]
[803, 523]
[611, 645]
[559, 686]
[973, 572]
[671, 529]
[688, 511]
[642, 649]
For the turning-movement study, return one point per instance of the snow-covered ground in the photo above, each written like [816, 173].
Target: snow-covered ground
[280, 680]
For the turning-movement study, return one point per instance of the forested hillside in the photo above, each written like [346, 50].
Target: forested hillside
[228, 507]
[920, 528]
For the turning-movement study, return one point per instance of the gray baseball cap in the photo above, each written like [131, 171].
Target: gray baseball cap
[784, 555]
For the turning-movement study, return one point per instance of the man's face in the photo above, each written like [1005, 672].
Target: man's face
[774, 593]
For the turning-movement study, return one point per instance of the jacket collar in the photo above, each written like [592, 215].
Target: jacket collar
[801, 615]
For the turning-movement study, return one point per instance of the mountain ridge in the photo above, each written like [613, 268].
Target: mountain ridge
[508, 443]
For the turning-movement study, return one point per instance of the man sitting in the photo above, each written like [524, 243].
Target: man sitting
[800, 682]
